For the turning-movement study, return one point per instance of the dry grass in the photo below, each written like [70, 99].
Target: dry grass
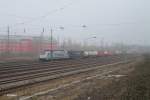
[134, 87]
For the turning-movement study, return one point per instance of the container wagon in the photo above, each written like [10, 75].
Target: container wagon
[90, 53]
[76, 54]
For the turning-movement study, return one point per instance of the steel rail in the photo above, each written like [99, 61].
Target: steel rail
[39, 70]
[37, 66]
[31, 77]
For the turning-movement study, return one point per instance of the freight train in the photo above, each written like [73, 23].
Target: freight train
[64, 54]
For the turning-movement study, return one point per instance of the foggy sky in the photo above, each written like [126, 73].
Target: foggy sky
[125, 21]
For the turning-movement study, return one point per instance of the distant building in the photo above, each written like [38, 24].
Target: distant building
[24, 44]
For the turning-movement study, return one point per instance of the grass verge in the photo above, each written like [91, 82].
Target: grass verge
[134, 87]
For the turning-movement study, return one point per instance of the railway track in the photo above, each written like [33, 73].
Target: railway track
[6, 65]
[37, 66]
[14, 66]
[26, 74]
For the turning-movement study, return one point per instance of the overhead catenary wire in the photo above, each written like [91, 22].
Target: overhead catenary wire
[45, 15]
[16, 16]
[52, 12]
[31, 19]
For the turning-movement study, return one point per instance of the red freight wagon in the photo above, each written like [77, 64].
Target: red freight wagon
[26, 45]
